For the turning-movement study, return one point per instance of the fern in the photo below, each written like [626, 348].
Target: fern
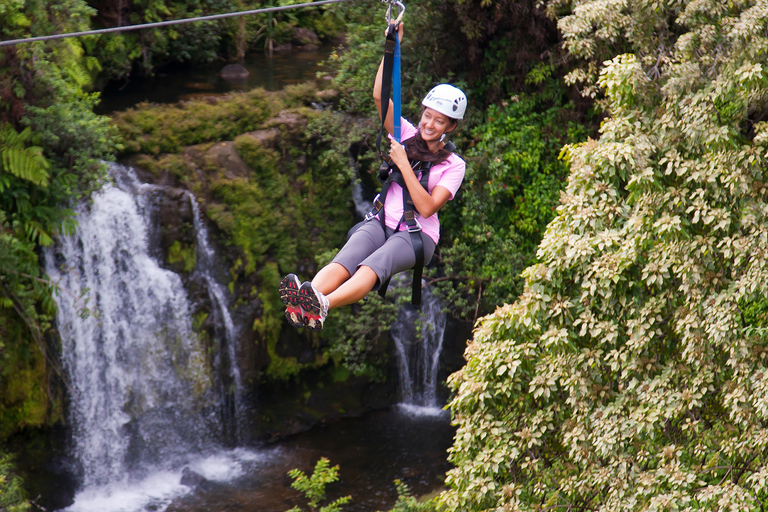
[18, 159]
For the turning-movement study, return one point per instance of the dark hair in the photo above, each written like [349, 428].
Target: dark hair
[416, 148]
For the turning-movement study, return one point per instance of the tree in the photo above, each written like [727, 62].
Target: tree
[52, 148]
[631, 374]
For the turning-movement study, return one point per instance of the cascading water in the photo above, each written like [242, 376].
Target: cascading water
[143, 398]
[418, 336]
[204, 265]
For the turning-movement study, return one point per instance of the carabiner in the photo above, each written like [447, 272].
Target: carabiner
[389, 11]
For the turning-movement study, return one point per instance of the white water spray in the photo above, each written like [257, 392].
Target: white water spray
[418, 354]
[143, 404]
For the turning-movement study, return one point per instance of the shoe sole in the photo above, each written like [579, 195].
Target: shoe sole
[311, 306]
[289, 290]
[289, 294]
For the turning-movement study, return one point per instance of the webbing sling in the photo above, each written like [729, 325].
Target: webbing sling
[391, 55]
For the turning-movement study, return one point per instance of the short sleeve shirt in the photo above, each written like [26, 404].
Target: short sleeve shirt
[448, 174]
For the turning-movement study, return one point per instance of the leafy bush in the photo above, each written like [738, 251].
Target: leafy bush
[156, 129]
[313, 486]
[12, 498]
[407, 503]
[625, 376]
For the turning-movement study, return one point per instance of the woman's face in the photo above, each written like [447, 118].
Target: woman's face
[434, 124]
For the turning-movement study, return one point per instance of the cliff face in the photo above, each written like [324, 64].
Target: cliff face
[271, 199]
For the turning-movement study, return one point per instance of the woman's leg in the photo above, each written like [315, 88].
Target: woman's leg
[330, 277]
[366, 238]
[354, 289]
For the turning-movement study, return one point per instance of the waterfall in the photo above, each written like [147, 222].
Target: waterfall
[418, 336]
[362, 207]
[143, 391]
[204, 265]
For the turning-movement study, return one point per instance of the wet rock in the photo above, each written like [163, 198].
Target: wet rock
[192, 479]
[305, 37]
[224, 156]
[282, 47]
[233, 72]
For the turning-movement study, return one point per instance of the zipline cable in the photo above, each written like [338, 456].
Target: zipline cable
[124, 28]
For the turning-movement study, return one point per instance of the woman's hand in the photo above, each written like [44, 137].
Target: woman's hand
[398, 155]
[399, 30]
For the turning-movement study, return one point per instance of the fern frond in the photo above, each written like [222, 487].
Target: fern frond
[36, 233]
[26, 163]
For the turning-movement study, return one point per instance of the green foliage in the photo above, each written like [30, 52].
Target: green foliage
[360, 333]
[182, 254]
[313, 486]
[626, 376]
[156, 129]
[498, 43]
[12, 496]
[149, 49]
[407, 503]
[26, 310]
[510, 193]
[51, 150]
[19, 160]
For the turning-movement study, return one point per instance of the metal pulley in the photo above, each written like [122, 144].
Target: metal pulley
[400, 11]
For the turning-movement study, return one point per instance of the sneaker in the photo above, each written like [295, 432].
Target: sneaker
[315, 306]
[289, 294]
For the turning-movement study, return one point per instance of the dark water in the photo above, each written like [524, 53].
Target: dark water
[371, 451]
[193, 82]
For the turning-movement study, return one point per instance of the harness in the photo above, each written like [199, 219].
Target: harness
[389, 174]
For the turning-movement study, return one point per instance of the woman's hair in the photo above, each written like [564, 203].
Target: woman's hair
[416, 148]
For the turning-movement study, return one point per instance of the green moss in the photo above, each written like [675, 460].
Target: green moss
[264, 161]
[198, 319]
[24, 398]
[340, 373]
[156, 129]
[182, 253]
[281, 368]
[301, 94]
[268, 325]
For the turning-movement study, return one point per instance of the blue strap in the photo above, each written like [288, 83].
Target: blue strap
[396, 90]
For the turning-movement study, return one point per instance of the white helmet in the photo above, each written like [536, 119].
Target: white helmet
[448, 100]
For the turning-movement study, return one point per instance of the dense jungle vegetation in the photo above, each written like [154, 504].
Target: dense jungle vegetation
[611, 231]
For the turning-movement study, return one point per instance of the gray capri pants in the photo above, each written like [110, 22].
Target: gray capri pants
[367, 245]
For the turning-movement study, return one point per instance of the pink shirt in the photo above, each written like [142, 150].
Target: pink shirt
[448, 174]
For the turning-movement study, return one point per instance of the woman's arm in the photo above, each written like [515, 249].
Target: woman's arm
[389, 123]
[427, 204]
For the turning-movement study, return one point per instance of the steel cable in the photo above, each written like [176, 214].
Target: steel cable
[124, 28]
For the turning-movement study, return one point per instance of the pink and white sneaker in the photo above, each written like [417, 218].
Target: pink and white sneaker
[314, 305]
[289, 294]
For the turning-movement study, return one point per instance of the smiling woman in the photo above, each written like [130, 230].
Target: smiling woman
[407, 228]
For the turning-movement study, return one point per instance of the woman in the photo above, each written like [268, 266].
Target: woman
[372, 255]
